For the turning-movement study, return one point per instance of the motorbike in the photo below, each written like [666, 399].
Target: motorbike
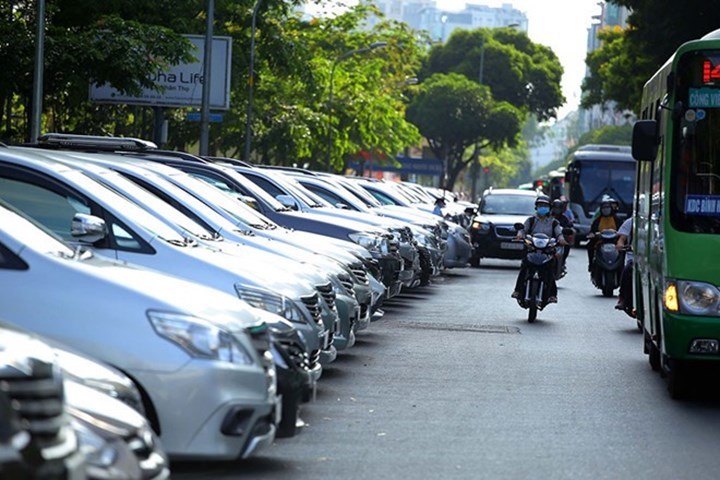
[607, 266]
[540, 250]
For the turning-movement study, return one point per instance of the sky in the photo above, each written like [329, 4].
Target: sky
[561, 25]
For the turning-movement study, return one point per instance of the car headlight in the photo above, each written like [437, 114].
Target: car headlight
[481, 227]
[200, 339]
[270, 302]
[97, 451]
[367, 240]
[698, 298]
[278, 357]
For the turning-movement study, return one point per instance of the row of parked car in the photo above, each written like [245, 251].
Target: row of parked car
[157, 305]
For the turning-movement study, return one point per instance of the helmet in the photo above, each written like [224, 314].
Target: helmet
[557, 203]
[542, 200]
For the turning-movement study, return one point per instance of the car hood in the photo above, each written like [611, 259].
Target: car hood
[501, 219]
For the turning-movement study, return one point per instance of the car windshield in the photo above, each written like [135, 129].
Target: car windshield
[244, 216]
[499, 204]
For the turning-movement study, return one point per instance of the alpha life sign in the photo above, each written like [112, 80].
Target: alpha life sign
[182, 84]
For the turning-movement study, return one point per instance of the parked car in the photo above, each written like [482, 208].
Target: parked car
[37, 440]
[167, 334]
[149, 186]
[118, 442]
[458, 249]
[126, 231]
[492, 230]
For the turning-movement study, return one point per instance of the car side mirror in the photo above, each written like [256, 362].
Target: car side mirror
[88, 228]
[287, 201]
[342, 205]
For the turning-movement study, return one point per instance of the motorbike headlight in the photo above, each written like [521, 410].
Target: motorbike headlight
[200, 339]
[271, 302]
[97, 451]
[698, 298]
[367, 240]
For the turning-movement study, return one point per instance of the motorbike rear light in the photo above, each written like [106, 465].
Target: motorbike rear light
[705, 346]
[670, 298]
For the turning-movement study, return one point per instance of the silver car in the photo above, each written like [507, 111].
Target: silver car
[132, 234]
[199, 356]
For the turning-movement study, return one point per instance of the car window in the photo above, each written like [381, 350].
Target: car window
[498, 204]
[54, 210]
[10, 261]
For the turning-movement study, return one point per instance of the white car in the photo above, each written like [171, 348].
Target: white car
[199, 356]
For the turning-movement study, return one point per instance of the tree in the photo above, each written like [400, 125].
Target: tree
[454, 114]
[626, 59]
[518, 71]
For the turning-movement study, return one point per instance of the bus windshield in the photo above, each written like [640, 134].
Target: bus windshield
[695, 187]
[599, 178]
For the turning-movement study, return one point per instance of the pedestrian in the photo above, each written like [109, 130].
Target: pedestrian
[439, 205]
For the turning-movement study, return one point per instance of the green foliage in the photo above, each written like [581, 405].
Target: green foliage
[628, 58]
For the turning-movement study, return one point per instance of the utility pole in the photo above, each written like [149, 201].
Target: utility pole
[207, 66]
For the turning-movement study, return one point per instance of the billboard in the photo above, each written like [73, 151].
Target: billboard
[181, 84]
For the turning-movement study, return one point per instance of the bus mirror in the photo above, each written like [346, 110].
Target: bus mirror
[644, 140]
[678, 111]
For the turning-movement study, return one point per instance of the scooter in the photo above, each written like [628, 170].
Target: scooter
[539, 252]
[607, 266]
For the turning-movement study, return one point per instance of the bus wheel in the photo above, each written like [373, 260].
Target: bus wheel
[678, 380]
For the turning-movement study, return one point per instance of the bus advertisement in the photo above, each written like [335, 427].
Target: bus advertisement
[676, 232]
[595, 173]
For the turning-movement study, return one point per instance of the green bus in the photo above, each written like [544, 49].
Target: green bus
[676, 234]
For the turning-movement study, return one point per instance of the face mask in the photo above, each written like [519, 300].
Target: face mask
[543, 210]
[606, 211]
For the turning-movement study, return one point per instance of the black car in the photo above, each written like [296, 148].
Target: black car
[492, 230]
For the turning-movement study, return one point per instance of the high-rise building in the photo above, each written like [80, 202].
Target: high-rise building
[424, 15]
[606, 114]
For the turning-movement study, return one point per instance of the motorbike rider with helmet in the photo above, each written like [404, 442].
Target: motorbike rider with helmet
[558, 212]
[607, 219]
[541, 222]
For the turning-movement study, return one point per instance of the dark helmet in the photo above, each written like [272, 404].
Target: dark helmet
[542, 200]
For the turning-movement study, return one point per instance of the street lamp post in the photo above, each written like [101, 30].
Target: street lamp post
[207, 68]
[251, 82]
[339, 59]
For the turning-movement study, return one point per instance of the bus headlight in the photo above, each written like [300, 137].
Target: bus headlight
[698, 298]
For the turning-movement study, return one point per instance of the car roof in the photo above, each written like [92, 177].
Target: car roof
[511, 191]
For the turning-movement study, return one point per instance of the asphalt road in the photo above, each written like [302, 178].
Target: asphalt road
[454, 383]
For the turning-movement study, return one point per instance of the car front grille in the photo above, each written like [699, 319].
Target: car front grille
[38, 399]
[327, 294]
[312, 303]
[360, 273]
[347, 284]
[505, 231]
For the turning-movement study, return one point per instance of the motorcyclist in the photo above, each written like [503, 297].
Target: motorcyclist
[541, 222]
[566, 211]
[558, 212]
[606, 220]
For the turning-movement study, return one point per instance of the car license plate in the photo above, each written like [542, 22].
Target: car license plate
[511, 245]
